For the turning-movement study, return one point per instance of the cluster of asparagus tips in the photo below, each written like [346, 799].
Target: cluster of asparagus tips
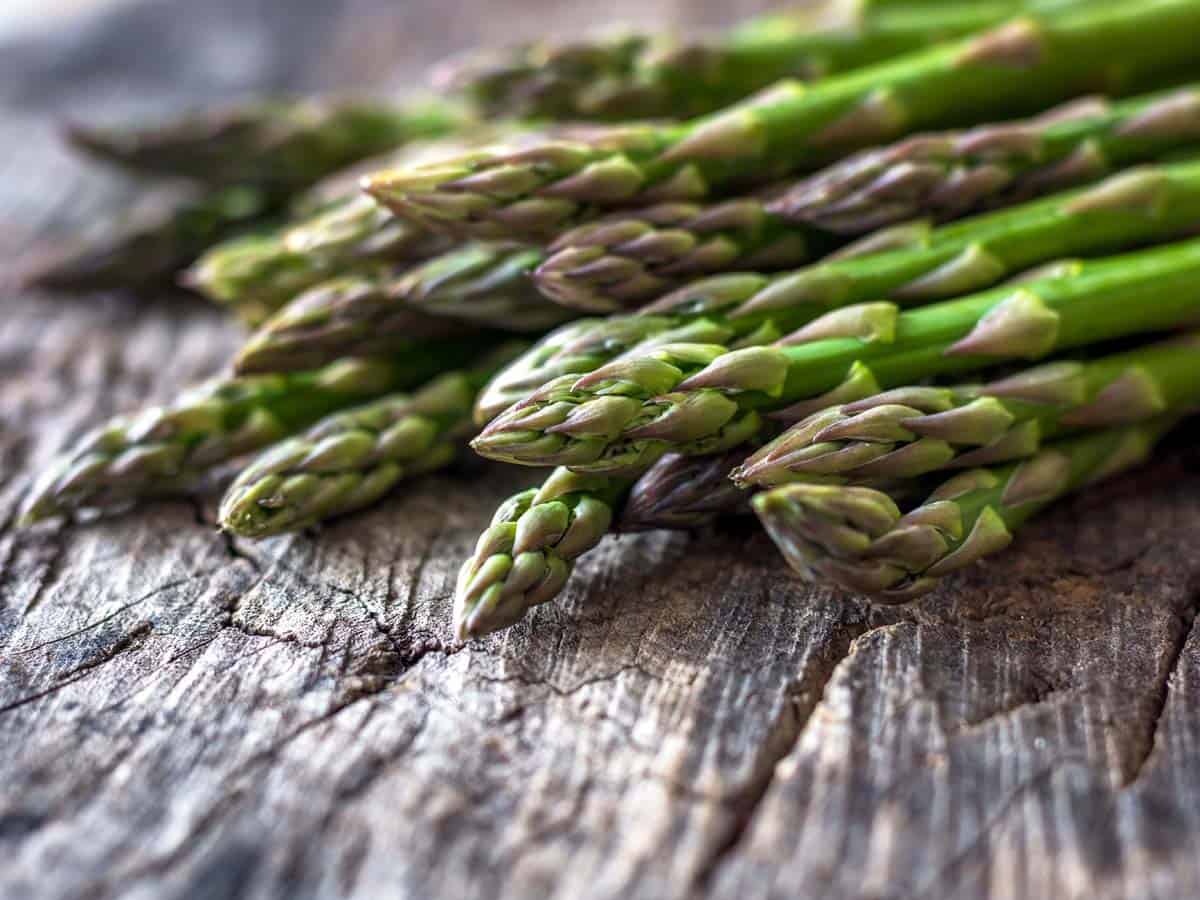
[858, 539]
[1026, 64]
[624, 260]
[166, 449]
[258, 274]
[949, 174]
[912, 431]
[698, 398]
[383, 309]
[909, 265]
[351, 459]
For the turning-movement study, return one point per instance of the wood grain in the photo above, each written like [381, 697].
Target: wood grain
[183, 716]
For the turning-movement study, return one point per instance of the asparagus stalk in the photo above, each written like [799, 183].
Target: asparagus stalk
[587, 345]
[685, 492]
[165, 450]
[304, 347]
[526, 555]
[696, 398]
[474, 285]
[912, 431]
[164, 232]
[627, 75]
[858, 539]
[337, 229]
[334, 231]
[950, 174]
[1022, 66]
[539, 533]
[349, 460]
[625, 259]
[285, 143]
[910, 265]
[258, 274]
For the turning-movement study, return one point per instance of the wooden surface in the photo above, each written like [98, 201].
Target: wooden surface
[182, 716]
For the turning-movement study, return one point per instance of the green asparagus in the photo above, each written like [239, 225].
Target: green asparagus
[301, 347]
[912, 431]
[584, 346]
[629, 75]
[335, 230]
[164, 232]
[908, 265]
[858, 539]
[684, 492]
[526, 555]
[474, 285]
[948, 175]
[697, 398]
[1022, 66]
[284, 143]
[258, 274]
[164, 450]
[675, 492]
[623, 260]
[351, 459]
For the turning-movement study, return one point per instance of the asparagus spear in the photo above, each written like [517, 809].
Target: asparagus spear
[627, 75]
[947, 175]
[587, 345]
[165, 231]
[526, 555]
[910, 265]
[284, 143]
[174, 226]
[625, 259]
[303, 347]
[684, 492]
[675, 492]
[697, 398]
[484, 285]
[915, 430]
[165, 449]
[1025, 65]
[857, 537]
[258, 274]
[335, 230]
[350, 459]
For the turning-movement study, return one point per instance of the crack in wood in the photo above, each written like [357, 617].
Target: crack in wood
[981, 838]
[1187, 627]
[124, 643]
[532, 679]
[150, 595]
[801, 698]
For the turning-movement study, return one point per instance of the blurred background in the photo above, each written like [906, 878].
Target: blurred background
[231, 46]
[109, 60]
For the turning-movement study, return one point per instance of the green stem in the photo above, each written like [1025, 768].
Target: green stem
[696, 398]
[1020, 67]
[911, 431]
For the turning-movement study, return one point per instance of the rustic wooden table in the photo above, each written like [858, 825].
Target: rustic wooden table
[183, 715]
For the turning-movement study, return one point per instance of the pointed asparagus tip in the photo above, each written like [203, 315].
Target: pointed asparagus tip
[90, 139]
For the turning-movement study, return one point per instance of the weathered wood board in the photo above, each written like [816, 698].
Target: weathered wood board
[186, 716]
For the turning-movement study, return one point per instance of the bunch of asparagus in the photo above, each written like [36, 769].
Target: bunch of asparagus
[894, 305]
